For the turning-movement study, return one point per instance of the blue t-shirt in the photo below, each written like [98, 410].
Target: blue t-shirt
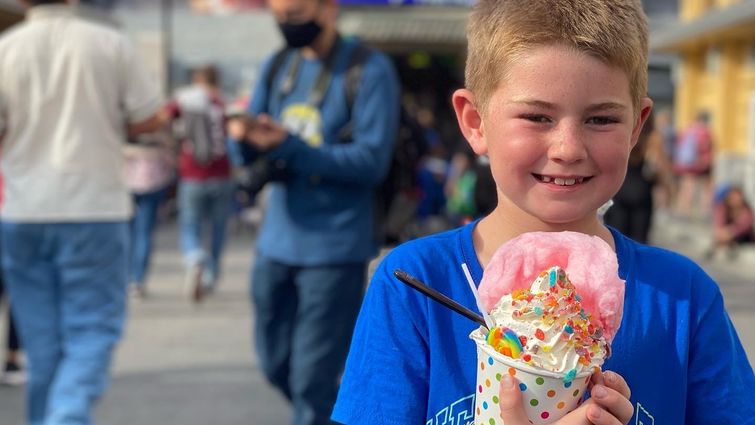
[412, 362]
[322, 213]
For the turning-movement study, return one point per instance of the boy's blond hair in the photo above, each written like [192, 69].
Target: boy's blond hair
[499, 31]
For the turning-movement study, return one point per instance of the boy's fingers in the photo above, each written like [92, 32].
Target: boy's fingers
[615, 381]
[512, 410]
[612, 403]
[596, 378]
[598, 416]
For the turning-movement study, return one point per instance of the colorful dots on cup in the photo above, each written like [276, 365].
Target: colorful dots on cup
[566, 384]
[487, 383]
[522, 387]
[545, 415]
[482, 366]
[575, 393]
[551, 393]
[495, 399]
[560, 405]
[485, 405]
[498, 377]
[541, 381]
[534, 402]
[478, 411]
[480, 388]
[491, 421]
[512, 371]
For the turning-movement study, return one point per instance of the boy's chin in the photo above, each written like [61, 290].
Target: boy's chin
[572, 219]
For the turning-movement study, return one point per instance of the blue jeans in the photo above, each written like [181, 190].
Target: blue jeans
[68, 285]
[200, 202]
[304, 320]
[142, 227]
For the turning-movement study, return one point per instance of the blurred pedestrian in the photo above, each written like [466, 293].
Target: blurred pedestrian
[732, 222]
[693, 162]
[661, 142]
[13, 373]
[460, 188]
[632, 209]
[329, 148]
[70, 90]
[148, 174]
[205, 187]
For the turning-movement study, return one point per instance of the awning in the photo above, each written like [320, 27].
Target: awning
[732, 22]
[406, 28]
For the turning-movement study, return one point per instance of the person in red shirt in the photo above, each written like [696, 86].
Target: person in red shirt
[205, 188]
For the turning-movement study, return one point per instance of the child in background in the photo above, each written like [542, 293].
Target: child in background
[556, 97]
[732, 222]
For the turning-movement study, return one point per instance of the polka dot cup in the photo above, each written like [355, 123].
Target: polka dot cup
[546, 397]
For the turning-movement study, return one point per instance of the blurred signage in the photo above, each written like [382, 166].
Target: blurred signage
[406, 2]
[224, 6]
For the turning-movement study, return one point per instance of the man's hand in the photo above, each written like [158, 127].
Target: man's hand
[261, 132]
[608, 405]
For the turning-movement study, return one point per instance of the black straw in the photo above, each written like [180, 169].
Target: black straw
[437, 296]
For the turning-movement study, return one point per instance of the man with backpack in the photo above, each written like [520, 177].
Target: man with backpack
[328, 151]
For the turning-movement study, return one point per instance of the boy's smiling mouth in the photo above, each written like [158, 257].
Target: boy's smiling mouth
[561, 180]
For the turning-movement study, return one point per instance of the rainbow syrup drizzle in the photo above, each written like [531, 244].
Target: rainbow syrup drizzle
[505, 341]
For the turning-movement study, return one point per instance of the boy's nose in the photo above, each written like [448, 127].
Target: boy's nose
[567, 145]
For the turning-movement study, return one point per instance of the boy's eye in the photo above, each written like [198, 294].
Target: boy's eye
[535, 118]
[602, 120]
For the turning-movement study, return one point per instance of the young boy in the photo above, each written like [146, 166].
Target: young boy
[556, 97]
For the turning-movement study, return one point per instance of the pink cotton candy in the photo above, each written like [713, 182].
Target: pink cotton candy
[588, 260]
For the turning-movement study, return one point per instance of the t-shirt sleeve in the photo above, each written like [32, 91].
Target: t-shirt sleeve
[385, 381]
[721, 382]
[139, 94]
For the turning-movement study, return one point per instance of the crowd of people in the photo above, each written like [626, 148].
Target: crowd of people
[322, 132]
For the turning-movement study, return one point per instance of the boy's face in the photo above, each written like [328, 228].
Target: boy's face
[558, 132]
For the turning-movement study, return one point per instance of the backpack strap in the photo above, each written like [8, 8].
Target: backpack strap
[352, 80]
[288, 82]
[358, 58]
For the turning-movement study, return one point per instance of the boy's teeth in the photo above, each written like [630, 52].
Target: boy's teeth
[562, 182]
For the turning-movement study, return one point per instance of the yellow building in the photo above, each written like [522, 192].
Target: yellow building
[715, 43]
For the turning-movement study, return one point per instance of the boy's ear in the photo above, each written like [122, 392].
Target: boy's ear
[470, 120]
[646, 105]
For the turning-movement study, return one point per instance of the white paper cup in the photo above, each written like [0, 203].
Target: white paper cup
[546, 397]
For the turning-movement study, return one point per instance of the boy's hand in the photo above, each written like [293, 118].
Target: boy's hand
[608, 405]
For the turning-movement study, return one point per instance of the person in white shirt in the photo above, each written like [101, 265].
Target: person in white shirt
[71, 90]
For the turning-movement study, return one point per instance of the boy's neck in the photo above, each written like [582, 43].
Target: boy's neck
[499, 227]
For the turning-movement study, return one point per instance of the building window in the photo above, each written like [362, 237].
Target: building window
[713, 61]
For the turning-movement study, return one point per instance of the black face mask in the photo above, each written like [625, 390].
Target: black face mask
[300, 35]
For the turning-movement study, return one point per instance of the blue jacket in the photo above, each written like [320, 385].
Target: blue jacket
[322, 213]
